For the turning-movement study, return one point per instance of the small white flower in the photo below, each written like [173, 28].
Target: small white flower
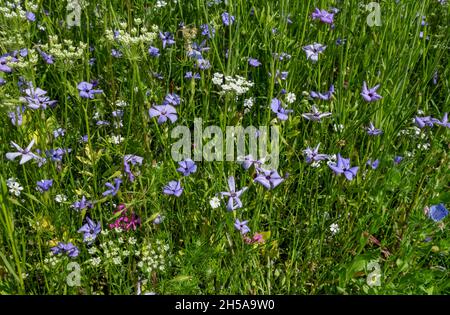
[248, 103]
[214, 202]
[117, 260]
[116, 139]
[60, 198]
[96, 261]
[290, 98]
[334, 228]
[338, 127]
[15, 188]
[92, 250]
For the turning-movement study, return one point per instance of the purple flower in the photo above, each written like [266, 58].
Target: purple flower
[173, 188]
[234, 201]
[203, 64]
[315, 115]
[113, 189]
[313, 155]
[36, 98]
[370, 95]
[242, 226]
[117, 113]
[82, 204]
[69, 249]
[398, 159]
[172, 99]
[187, 167]
[444, 122]
[189, 75]
[437, 212]
[86, 90]
[227, 19]
[2, 81]
[133, 159]
[116, 53]
[435, 77]
[323, 16]
[60, 132]
[163, 112]
[373, 164]
[167, 38]
[207, 30]
[30, 16]
[102, 123]
[44, 185]
[90, 230]
[343, 166]
[280, 75]
[421, 122]
[282, 56]
[4, 60]
[56, 155]
[248, 160]
[25, 154]
[17, 116]
[340, 41]
[277, 108]
[323, 96]
[312, 51]
[47, 57]
[153, 51]
[23, 52]
[197, 50]
[269, 179]
[254, 62]
[372, 131]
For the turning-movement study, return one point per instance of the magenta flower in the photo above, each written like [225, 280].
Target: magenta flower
[125, 221]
